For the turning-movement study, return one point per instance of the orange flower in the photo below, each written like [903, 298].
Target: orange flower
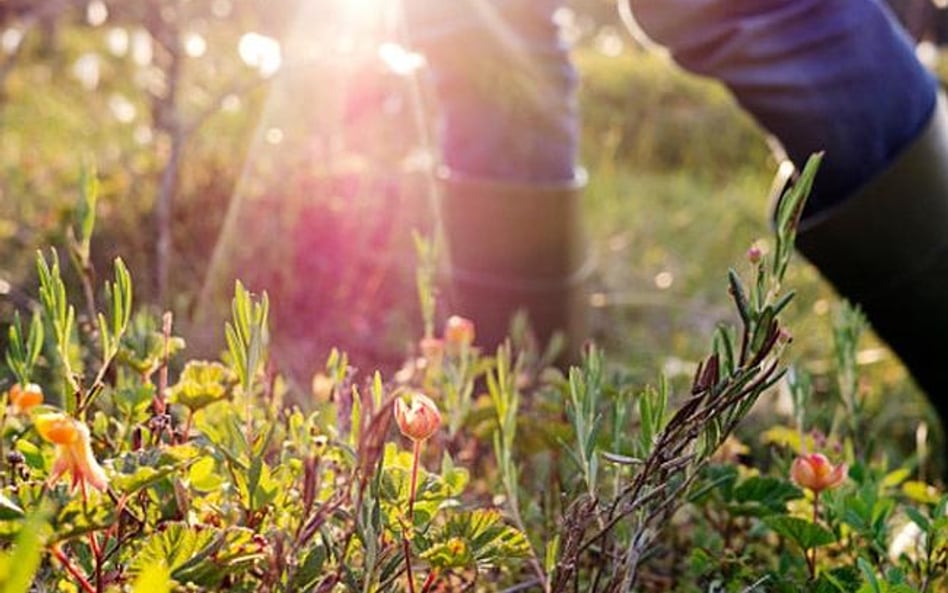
[73, 451]
[814, 471]
[25, 398]
[458, 332]
[418, 419]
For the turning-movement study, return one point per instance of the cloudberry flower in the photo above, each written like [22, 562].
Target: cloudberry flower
[419, 418]
[73, 451]
[459, 331]
[814, 471]
[25, 398]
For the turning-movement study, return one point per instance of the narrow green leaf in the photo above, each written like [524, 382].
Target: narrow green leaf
[740, 296]
[9, 509]
[23, 560]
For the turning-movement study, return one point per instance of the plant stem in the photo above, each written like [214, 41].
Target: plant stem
[73, 570]
[416, 456]
[186, 436]
[406, 545]
[97, 557]
[406, 542]
[429, 581]
[811, 556]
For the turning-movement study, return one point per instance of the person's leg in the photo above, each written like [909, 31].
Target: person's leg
[508, 134]
[505, 85]
[841, 76]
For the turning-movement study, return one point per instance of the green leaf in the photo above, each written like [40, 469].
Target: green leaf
[477, 538]
[31, 453]
[203, 475]
[19, 565]
[201, 384]
[736, 288]
[770, 493]
[85, 209]
[311, 568]
[896, 477]
[154, 578]
[842, 579]
[920, 492]
[9, 509]
[869, 574]
[202, 557]
[133, 400]
[918, 518]
[807, 535]
[141, 478]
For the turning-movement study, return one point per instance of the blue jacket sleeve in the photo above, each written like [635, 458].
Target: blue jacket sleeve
[833, 75]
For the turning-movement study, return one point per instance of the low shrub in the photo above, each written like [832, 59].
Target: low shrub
[126, 468]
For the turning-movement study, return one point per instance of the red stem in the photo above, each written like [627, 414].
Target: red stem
[414, 481]
[429, 581]
[406, 543]
[811, 557]
[73, 570]
[97, 557]
[187, 426]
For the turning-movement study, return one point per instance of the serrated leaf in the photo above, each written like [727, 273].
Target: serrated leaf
[155, 578]
[768, 491]
[141, 478]
[202, 557]
[477, 538]
[806, 534]
[201, 384]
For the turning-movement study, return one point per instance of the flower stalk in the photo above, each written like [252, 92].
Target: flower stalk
[417, 419]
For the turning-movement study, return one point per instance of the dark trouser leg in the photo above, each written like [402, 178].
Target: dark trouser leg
[508, 132]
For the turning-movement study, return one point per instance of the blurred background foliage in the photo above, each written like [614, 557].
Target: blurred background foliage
[289, 143]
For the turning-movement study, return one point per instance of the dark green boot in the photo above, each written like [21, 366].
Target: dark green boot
[886, 249]
[518, 246]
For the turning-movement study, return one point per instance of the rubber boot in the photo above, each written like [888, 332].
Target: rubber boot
[518, 246]
[886, 249]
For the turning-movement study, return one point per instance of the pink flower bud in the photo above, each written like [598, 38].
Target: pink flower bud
[458, 332]
[419, 418]
[814, 471]
[754, 254]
